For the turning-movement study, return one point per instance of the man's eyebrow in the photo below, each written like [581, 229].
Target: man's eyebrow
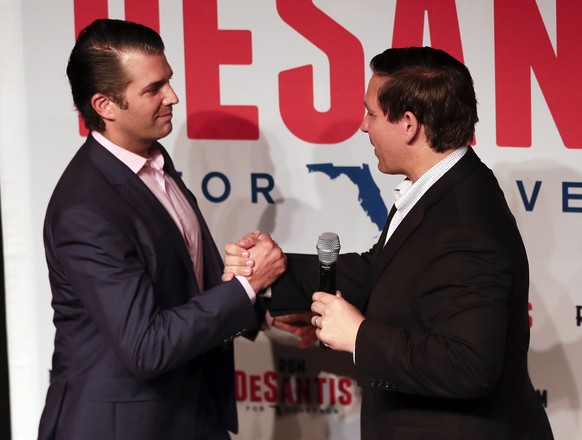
[157, 84]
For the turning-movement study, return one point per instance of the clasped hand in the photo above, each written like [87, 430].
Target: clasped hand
[336, 321]
[245, 258]
[257, 257]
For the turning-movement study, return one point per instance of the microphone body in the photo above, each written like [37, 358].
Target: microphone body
[326, 278]
[328, 247]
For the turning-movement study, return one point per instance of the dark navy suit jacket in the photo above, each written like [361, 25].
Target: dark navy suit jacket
[442, 353]
[140, 353]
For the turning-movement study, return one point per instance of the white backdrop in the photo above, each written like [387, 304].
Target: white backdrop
[244, 135]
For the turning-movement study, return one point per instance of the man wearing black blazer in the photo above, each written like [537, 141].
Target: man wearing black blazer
[144, 325]
[436, 313]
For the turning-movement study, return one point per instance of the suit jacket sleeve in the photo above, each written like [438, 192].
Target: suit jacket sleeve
[292, 292]
[102, 264]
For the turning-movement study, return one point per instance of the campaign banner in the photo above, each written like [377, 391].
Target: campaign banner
[267, 136]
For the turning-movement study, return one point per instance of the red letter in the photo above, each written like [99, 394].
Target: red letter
[206, 48]
[255, 388]
[240, 380]
[522, 45]
[270, 379]
[286, 390]
[345, 397]
[331, 391]
[303, 388]
[443, 25]
[86, 11]
[346, 68]
[320, 382]
[146, 12]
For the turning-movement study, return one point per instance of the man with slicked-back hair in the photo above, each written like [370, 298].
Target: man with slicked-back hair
[144, 325]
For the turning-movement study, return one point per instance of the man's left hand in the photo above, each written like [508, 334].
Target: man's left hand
[337, 322]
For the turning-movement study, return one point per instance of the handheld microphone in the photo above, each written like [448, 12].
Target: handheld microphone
[328, 247]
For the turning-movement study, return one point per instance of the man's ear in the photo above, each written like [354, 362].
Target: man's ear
[411, 127]
[103, 106]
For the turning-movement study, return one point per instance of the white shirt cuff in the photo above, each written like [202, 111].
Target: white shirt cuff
[247, 286]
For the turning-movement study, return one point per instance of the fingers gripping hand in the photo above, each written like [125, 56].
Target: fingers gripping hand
[269, 262]
[249, 239]
[338, 321]
[237, 259]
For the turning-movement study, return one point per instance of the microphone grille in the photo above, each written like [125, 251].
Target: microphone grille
[328, 247]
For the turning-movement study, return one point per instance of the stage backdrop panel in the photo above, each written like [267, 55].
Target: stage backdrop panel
[267, 136]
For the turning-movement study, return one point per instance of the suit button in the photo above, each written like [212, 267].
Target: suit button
[372, 383]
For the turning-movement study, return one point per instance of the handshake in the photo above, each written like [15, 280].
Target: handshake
[257, 257]
[332, 320]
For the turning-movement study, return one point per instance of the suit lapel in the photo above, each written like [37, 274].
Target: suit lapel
[414, 218]
[379, 246]
[212, 259]
[398, 238]
[138, 195]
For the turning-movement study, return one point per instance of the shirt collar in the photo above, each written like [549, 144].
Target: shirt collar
[133, 161]
[408, 193]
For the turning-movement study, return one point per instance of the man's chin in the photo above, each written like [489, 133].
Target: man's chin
[166, 130]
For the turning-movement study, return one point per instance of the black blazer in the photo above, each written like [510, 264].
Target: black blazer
[442, 353]
[139, 353]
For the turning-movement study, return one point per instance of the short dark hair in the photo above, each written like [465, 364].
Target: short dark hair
[94, 64]
[435, 87]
